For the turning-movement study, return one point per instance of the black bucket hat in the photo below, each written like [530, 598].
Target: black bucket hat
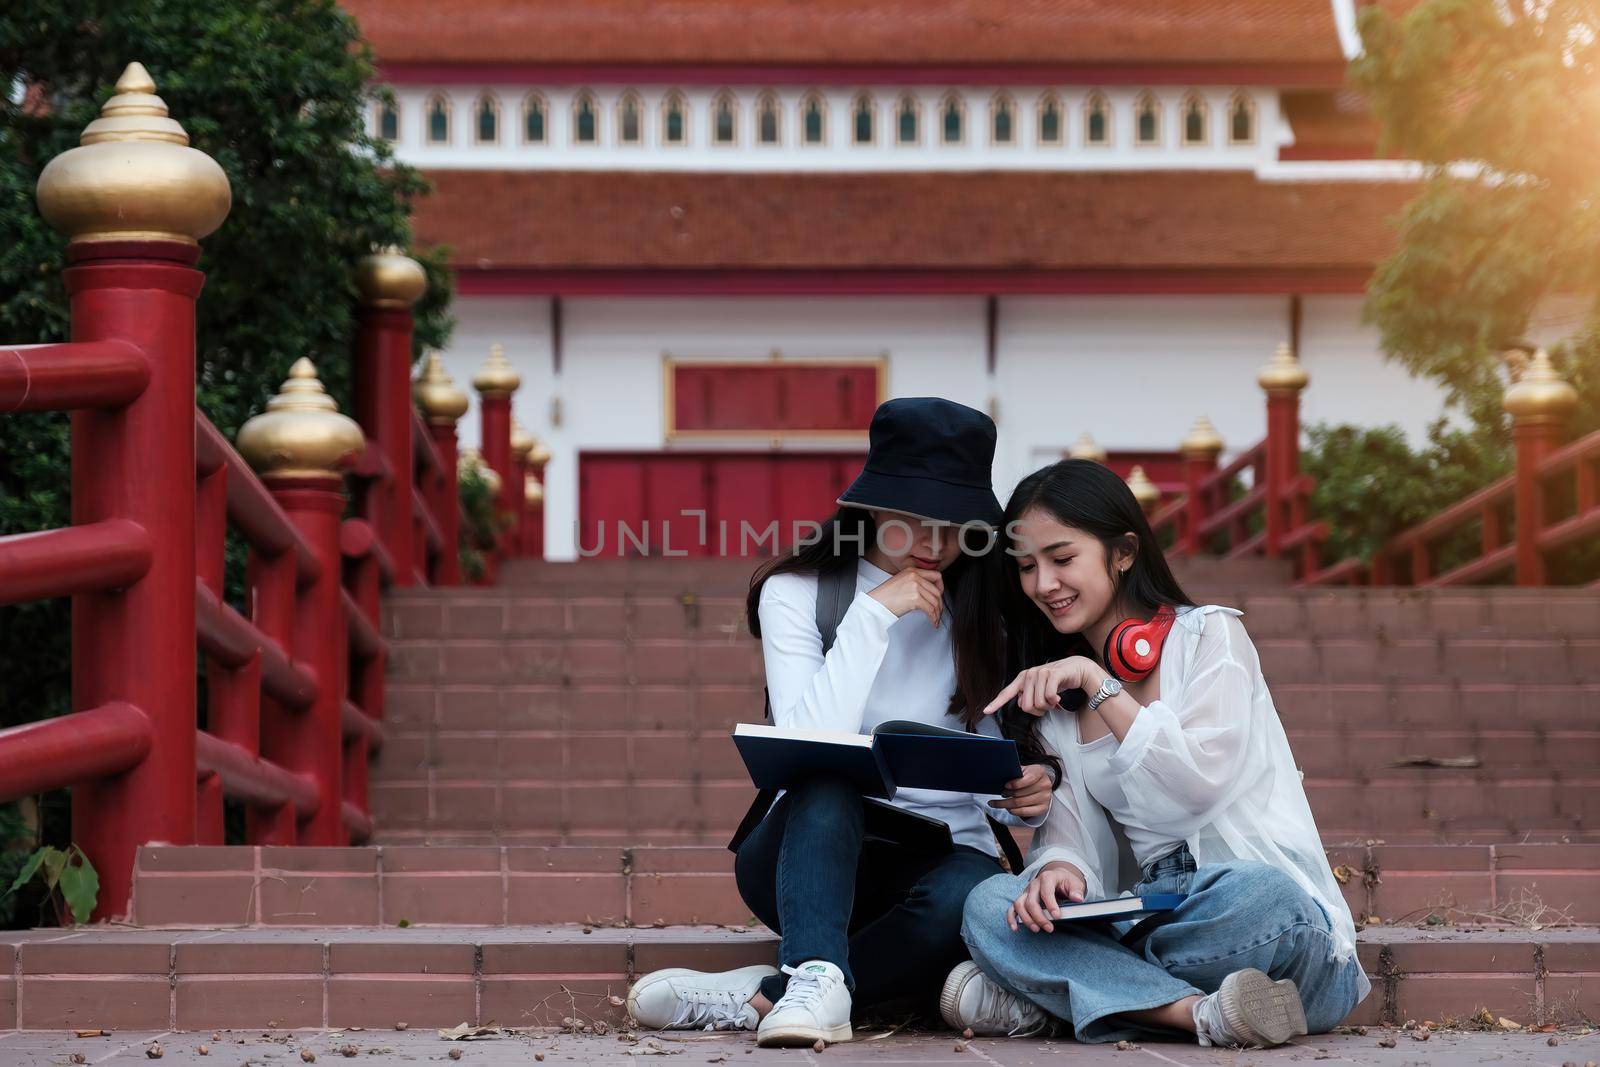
[929, 458]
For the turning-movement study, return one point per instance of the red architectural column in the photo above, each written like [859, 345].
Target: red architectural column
[1539, 403]
[1283, 379]
[133, 200]
[1200, 450]
[442, 404]
[298, 445]
[495, 382]
[389, 283]
[533, 499]
[522, 443]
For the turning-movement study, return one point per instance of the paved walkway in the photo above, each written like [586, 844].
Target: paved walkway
[285, 1049]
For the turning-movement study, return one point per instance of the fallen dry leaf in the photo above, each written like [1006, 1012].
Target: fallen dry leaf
[92, 1033]
[1507, 1024]
[468, 1032]
[652, 1047]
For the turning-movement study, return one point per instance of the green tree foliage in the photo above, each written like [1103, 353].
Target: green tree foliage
[1496, 99]
[278, 92]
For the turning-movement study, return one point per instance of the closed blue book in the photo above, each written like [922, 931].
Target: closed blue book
[899, 754]
[1119, 907]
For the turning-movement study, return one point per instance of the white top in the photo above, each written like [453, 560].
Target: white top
[880, 668]
[1208, 764]
[1105, 786]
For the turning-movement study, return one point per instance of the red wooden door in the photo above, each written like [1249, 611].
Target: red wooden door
[705, 503]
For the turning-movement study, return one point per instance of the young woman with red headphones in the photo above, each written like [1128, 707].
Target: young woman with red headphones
[1177, 778]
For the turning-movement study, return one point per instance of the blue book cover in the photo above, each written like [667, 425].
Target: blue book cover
[896, 755]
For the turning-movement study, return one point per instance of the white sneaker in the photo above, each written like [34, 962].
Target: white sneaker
[970, 1001]
[1250, 1011]
[681, 999]
[815, 1007]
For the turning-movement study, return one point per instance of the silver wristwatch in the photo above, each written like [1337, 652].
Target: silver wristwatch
[1108, 689]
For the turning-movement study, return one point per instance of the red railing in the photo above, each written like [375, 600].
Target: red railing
[294, 677]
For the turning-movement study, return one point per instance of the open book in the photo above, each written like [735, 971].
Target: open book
[896, 755]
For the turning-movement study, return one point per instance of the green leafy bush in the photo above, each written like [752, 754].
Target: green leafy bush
[481, 522]
[70, 880]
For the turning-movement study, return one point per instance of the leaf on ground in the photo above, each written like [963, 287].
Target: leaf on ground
[653, 1047]
[467, 1032]
[1507, 1024]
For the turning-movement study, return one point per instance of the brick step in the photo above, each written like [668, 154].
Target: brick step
[1345, 749]
[293, 978]
[518, 612]
[1431, 799]
[727, 659]
[714, 708]
[181, 887]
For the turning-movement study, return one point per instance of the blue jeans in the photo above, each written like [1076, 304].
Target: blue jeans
[889, 917]
[1238, 914]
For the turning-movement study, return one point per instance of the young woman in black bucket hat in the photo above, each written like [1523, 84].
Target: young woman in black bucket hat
[905, 574]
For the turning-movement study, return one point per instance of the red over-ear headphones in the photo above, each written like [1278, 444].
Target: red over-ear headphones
[1133, 648]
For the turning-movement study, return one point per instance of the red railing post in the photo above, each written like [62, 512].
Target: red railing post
[522, 443]
[1200, 449]
[133, 200]
[389, 283]
[533, 498]
[298, 445]
[1282, 379]
[442, 404]
[1538, 402]
[495, 382]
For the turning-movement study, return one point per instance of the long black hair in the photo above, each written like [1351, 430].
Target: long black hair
[973, 588]
[1087, 496]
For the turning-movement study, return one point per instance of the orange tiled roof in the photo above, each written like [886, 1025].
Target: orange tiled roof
[887, 32]
[1184, 220]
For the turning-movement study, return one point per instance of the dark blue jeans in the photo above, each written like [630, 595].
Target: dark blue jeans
[889, 917]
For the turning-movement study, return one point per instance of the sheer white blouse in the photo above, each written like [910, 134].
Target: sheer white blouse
[1207, 764]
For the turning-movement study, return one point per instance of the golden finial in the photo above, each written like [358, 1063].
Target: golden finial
[1086, 448]
[1202, 442]
[497, 377]
[388, 278]
[539, 455]
[1144, 490]
[441, 402]
[532, 492]
[521, 442]
[134, 176]
[1540, 394]
[1283, 372]
[301, 434]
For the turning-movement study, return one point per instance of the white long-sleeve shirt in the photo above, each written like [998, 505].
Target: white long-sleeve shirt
[880, 668]
[1208, 764]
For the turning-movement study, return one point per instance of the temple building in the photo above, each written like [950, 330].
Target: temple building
[711, 237]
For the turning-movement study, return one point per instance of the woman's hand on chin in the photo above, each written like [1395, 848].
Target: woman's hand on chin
[1038, 689]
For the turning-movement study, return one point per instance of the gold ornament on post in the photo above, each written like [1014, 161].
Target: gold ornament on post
[441, 402]
[532, 492]
[539, 455]
[522, 442]
[1283, 372]
[389, 278]
[1202, 442]
[1144, 490]
[497, 377]
[301, 434]
[1540, 394]
[134, 176]
[1086, 448]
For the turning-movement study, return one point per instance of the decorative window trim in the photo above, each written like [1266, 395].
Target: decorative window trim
[731, 99]
[821, 100]
[630, 96]
[902, 103]
[439, 98]
[378, 108]
[477, 109]
[1147, 99]
[1191, 100]
[1003, 101]
[671, 97]
[856, 102]
[960, 103]
[528, 100]
[1239, 96]
[1047, 98]
[594, 107]
[767, 102]
[1097, 97]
